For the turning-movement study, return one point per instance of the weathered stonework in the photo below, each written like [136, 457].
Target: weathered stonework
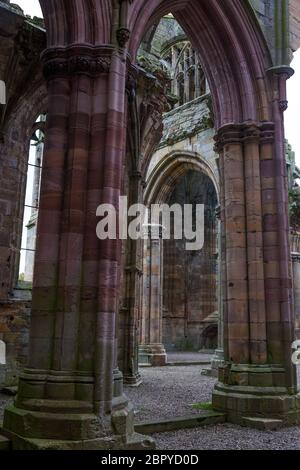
[70, 394]
[14, 332]
[190, 314]
[21, 45]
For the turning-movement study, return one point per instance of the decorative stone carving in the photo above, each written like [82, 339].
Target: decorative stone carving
[245, 132]
[78, 59]
[76, 65]
[123, 35]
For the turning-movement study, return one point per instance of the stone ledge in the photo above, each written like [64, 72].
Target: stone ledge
[263, 424]
[4, 443]
[210, 372]
[134, 442]
[10, 391]
[178, 364]
[204, 418]
[187, 363]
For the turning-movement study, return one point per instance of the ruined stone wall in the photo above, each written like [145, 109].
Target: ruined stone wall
[21, 44]
[267, 16]
[295, 24]
[14, 332]
[188, 129]
[189, 282]
[167, 29]
[265, 11]
[295, 250]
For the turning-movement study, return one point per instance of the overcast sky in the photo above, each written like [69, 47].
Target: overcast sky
[30, 7]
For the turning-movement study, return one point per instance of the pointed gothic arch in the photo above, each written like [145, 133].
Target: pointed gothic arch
[72, 369]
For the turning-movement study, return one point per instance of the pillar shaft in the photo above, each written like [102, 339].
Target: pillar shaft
[70, 396]
[130, 313]
[151, 337]
[296, 284]
[256, 379]
[218, 357]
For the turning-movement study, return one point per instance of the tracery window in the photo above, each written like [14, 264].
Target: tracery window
[188, 79]
[31, 206]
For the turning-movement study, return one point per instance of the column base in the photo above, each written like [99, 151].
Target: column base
[133, 380]
[153, 355]
[54, 419]
[135, 442]
[216, 362]
[246, 391]
[33, 430]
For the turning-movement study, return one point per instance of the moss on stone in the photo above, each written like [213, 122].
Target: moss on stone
[202, 406]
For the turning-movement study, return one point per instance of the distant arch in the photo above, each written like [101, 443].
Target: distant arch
[167, 172]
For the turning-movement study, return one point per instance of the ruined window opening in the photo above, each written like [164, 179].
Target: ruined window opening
[188, 78]
[168, 49]
[31, 205]
[2, 353]
[2, 93]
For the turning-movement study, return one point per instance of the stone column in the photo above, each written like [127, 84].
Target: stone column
[130, 313]
[174, 69]
[151, 348]
[186, 75]
[70, 397]
[295, 250]
[207, 89]
[198, 73]
[257, 378]
[296, 283]
[218, 357]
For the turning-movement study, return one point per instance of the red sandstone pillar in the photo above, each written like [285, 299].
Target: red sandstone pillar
[66, 397]
[236, 256]
[130, 311]
[151, 347]
[257, 379]
[218, 357]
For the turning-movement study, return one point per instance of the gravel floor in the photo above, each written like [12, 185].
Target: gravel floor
[169, 391]
[229, 437]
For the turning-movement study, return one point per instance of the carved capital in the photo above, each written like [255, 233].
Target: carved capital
[243, 133]
[283, 105]
[267, 135]
[228, 134]
[123, 36]
[251, 133]
[76, 60]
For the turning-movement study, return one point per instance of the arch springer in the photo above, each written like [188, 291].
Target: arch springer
[259, 133]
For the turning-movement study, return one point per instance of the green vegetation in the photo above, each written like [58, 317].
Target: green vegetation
[184, 345]
[202, 406]
[294, 207]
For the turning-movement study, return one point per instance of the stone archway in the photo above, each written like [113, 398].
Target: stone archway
[161, 182]
[69, 382]
[161, 178]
